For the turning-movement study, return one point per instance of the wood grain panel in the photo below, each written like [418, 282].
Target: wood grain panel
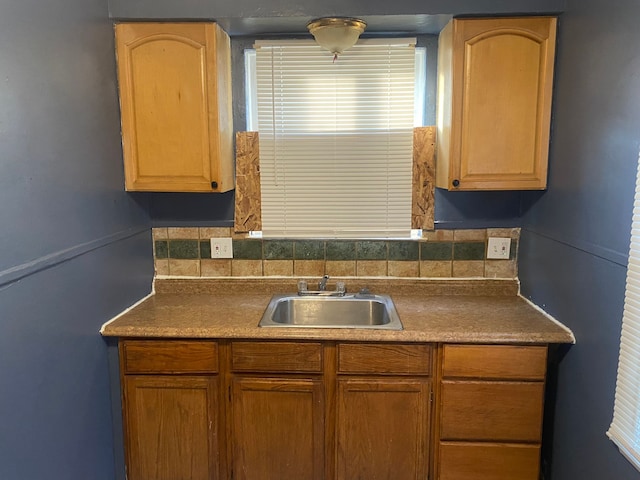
[423, 189]
[276, 357]
[498, 76]
[478, 461]
[278, 429]
[384, 358]
[494, 362]
[175, 96]
[382, 429]
[498, 411]
[169, 356]
[171, 427]
[248, 207]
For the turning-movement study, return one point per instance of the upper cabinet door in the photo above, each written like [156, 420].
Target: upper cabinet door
[494, 103]
[175, 97]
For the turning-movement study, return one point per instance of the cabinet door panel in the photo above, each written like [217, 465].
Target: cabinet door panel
[382, 429]
[494, 102]
[499, 411]
[489, 461]
[171, 427]
[278, 429]
[174, 81]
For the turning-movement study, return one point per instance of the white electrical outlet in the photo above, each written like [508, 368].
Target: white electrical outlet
[221, 248]
[498, 248]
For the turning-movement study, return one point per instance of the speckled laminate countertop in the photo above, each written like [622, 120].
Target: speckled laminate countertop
[461, 311]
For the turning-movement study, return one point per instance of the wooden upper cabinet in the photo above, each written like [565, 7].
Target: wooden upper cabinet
[175, 99]
[494, 103]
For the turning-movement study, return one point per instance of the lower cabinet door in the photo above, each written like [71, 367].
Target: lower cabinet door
[277, 428]
[382, 429]
[171, 427]
[488, 461]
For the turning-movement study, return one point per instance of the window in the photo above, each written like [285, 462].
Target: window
[336, 138]
[625, 428]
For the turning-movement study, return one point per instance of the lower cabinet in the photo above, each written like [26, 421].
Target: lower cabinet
[382, 428]
[170, 400]
[171, 427]
[490, 412]
[277, 428]
[256, 410]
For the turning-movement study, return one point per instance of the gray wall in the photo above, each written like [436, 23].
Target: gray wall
[575, 236]
[191, 9]
[75, 248]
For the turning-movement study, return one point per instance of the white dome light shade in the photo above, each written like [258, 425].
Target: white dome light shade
[336, 34]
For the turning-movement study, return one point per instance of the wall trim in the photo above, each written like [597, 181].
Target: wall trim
[584, 246]
[45, 262]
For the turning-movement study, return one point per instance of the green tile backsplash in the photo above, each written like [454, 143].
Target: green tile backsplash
[184, 249]
[205, 249]
[308, 250]
[434, 255]
[162, 249]
[371, 250]
[469, 251]
[341, 250]
[278, 249]
[249, 249]
[436, 251]
[404, 250]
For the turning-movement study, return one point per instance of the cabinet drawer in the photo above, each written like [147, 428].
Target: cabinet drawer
[498, 411]
[477, 461]
[499, 361]
[384, 358]
[159, 356]
[276, 357]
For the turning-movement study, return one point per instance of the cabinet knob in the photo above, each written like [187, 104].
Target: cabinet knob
[214, 184]
[456, 182]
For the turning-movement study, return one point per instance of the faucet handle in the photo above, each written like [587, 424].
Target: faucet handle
[302, 286]
[341, 288]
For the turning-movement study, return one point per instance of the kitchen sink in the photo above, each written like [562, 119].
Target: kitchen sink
[347, 311]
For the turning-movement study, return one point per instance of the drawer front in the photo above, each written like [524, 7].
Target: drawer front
[174, 356]
[276, 357]
[476, 461]
[499, 361]
[492, 411]
[384, 358]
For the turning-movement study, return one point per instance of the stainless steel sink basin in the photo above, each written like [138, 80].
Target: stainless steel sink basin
[348, 311]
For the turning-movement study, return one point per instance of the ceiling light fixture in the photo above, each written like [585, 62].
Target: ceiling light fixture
[336, 34]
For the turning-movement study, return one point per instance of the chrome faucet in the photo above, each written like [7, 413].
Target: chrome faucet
[340, 290]
[322, 284]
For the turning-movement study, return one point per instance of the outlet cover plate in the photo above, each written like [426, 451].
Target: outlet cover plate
[498, 248]
[221, 248]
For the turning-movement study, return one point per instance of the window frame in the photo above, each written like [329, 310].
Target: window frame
[419, 115]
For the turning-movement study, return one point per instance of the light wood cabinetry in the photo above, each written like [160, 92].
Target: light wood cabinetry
[322, 410]
[490, 411]
[170, 402]
[175, 99]
[494, 103]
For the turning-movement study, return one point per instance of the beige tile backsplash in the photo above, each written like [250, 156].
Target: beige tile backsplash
[184, 251]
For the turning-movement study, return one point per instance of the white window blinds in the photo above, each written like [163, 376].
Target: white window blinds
[625, 428]
[336, 138]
